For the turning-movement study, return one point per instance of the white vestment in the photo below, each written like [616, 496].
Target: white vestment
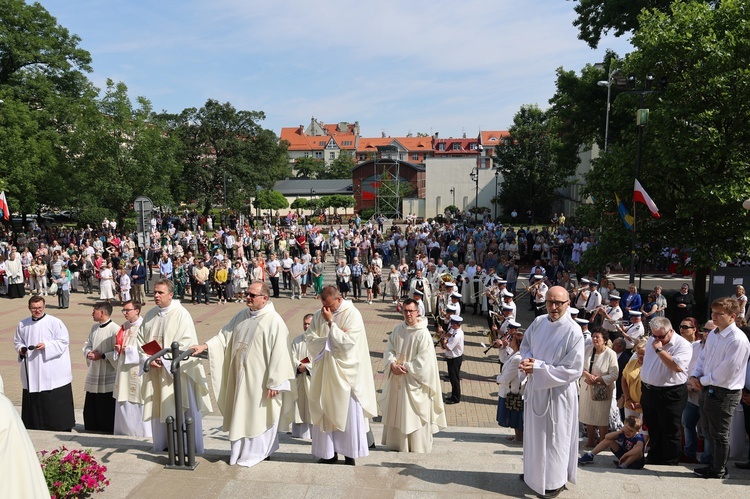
[301, 424]
[49, 368]
[550, 442]
[100, 376]
[167, 325]
[412, 403]
[426, 289]
[341, 380]
[20, 473]
[127, 389]
[248, 357]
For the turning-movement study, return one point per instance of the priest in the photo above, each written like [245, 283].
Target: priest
[552, 362]
[301, 425]
[250, 366]
[411, 401]
[342, 389]
[166, 323]
[99, 349]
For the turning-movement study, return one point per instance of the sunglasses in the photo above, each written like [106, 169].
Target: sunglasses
[252, 295]
[685, 326]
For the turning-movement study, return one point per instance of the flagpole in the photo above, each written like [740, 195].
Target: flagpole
[634, 241]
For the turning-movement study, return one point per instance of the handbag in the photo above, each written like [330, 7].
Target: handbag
[598, 392]
[53, 288]
[514, 402]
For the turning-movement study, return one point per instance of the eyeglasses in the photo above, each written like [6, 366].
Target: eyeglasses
[126, 310]
[552, 303]
[686, 326]
[253, 295]
[410, 311]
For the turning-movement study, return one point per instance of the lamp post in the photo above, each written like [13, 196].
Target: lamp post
[453, 193]
[497, 175]
[474, 175]
[641, 122]
[608, 84]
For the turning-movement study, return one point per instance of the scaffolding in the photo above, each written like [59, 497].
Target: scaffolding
[387, 171]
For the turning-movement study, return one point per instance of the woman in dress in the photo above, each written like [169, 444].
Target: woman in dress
[393, 285]
[106, 283]
[239, 280]
[510, 388]
[600, 370]
[741, 297]
[368, 279]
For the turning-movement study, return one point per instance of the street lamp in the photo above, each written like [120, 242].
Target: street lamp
[474, 175]
[608, 84]
[453, 193]
[497, 175]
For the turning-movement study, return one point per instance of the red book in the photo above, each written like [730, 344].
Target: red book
[152, 347]
[120, 336]
[306, 360]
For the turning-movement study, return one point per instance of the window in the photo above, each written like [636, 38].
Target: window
[318, 154]
[346, 143]
[307, 154]
[441, 146]
[401, 156]
[331, 155]
[456, 146]
[473, 146]
[415, 157]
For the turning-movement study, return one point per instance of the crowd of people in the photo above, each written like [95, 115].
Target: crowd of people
[594, 358]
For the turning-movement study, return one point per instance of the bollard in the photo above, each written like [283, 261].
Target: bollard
[171, 459]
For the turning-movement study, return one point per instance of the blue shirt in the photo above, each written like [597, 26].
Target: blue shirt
[165, 268]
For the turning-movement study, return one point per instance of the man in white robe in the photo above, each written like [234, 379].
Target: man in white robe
[166, 323]
[250, 365]
[301, 425]
[411, 400]
[342, 389]
[552, 353]
[20, 472]
[127, 389]
[46, 373]
[422, 284]
[99, 349]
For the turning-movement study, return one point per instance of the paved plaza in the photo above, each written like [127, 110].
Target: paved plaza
[471, 458]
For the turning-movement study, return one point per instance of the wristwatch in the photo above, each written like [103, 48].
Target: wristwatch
[659, 350]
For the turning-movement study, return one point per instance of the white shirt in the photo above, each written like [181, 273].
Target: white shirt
[655, 372]
[454, 347]
[723, 361]
[615, 314]
[635, 331]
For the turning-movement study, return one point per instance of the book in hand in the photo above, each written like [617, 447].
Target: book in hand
[306, 360]
[151, 348]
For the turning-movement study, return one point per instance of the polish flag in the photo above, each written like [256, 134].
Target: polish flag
[4, 206]
[641, 196]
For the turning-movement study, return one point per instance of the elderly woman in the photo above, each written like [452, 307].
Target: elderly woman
[393, 285]
[631, 380]
[599, 376]
[510, 389]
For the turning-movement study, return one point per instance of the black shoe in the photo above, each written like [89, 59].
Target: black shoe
[349, 461]
[452, 401]
[372, 446]
[709, 473]
[554, 492]
[332, 460]
[743, 466]
[520, 477]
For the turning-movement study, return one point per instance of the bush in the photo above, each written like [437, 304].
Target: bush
[93, 216]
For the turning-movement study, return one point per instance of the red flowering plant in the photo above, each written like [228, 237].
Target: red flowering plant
[72, 473]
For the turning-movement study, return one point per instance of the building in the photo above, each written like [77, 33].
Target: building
[321, 141]
[411, 149]
[309, 189]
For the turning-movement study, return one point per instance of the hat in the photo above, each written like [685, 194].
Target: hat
[418, 292]
[501, 281]
[574, 311]
[456, 295]
[450, 284]
[513, 324]
[613, 296]
[451, 306]
[585, 281]
[635, 313]
[537, 276]
[507, 307]
[582, 321]
[456, 319]
[507, 293]
[593, 283]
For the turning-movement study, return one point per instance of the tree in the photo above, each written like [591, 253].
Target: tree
[121, 152]
[221, 142]
[697, 142]
[44, 88]
[270, 200]
[308, 167]
[527, 159]
[341, 167]
[598, 17]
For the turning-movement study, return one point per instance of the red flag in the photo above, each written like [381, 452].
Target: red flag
[641, 196]
[4, 206]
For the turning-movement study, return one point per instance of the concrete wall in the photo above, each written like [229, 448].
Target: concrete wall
[444, 173]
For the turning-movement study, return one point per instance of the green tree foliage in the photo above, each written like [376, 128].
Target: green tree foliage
[598, 17]
[697, 143]
[120, 152]
[341, 167]
[270, 200]
[308, 167]
[300, 204]
[44, 87]
[527, 158]
[218, 141]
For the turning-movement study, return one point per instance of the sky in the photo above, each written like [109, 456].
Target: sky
[395, 66]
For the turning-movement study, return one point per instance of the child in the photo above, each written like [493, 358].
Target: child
[626, 444]
[125, 285]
